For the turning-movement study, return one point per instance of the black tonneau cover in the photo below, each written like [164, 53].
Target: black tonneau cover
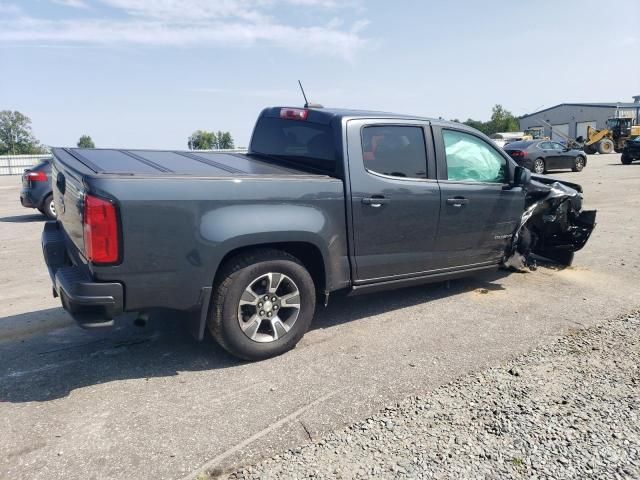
[158, 162]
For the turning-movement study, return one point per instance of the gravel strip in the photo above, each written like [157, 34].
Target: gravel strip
[565, 410]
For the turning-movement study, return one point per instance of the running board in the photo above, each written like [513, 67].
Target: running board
[408, 282]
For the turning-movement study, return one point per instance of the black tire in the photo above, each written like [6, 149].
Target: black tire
[236, 275]
[589, 149]
[605, 146]
[539, 166]
[579, 163]
[625, 159]
[48, 208]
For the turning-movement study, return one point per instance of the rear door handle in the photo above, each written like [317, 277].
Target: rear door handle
[375, 201]
[457, 202]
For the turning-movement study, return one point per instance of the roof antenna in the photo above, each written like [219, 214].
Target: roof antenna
[306, 102]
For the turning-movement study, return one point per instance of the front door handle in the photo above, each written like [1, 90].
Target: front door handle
[457, 202]
[376, 201]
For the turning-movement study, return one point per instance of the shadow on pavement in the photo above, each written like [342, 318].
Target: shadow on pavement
[50, 366]
[21, 325]
[23, 218]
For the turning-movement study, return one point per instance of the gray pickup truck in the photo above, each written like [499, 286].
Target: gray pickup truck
[324, 200]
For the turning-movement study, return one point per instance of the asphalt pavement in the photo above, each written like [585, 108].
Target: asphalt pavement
[152, 403]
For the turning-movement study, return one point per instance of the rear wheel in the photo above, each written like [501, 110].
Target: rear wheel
[539, 166]
[626, 160]
[578, 164]
[589, 149]
[263, 305]
[605, 146]
[49, 208]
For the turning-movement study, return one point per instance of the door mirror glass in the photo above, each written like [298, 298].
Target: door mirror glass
[521, 176]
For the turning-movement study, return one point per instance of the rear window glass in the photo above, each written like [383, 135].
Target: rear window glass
[298, 141]
[395, 151]
[514, 145]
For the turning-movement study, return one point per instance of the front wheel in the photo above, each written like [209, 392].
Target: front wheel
[538, 166]
[578, 164]
[605, 146]
[263, 305]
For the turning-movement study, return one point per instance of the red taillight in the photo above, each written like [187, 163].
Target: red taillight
[294, 113]
[36, 176]
[101, 239]
[518, 154]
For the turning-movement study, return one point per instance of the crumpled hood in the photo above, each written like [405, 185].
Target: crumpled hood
[554, 225]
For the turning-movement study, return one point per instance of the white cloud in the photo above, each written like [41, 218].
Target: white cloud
[191, 23]
[9, 8]
[71, 3]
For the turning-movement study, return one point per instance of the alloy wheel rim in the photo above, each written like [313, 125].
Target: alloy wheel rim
[269, 307]
[52, 208]
[539, 166]
[579, 162]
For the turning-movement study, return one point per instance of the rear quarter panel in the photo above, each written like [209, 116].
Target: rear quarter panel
[177, 230]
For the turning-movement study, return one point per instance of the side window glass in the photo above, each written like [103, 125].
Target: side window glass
[545, 146]
[470, 159]
[396, 151]
[557, 146]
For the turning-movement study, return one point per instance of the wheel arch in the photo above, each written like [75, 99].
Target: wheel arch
[309, 254]
[44, 198]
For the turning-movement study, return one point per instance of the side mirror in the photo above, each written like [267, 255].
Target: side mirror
[521, 176]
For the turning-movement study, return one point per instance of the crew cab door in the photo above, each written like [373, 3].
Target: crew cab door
[479, 210]
[395, 198]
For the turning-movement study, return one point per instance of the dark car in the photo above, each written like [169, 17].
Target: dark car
[324, 200]
[631, 150]
[36, 189]
[540, 156]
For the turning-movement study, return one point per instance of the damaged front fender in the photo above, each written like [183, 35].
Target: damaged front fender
[553, 226]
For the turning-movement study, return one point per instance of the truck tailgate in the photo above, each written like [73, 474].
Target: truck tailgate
[68, 191]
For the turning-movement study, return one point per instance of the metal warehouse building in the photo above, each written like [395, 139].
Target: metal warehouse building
[572, 119]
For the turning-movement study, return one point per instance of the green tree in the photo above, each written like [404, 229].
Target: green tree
[86, 142]
[16, 137]
[477, 124]
[225, 140]
[202, 140]
[501, 121]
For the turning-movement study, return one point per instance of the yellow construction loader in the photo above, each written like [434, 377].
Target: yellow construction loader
[611, 138]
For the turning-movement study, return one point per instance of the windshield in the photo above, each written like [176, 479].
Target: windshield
[303, 142]
[615, 122]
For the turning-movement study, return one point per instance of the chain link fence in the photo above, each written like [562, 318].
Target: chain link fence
[16, 164]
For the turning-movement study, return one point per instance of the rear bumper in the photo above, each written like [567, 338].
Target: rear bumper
[91, 304]
[27, 200]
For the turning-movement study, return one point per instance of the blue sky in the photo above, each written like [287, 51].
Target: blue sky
[147, 73]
